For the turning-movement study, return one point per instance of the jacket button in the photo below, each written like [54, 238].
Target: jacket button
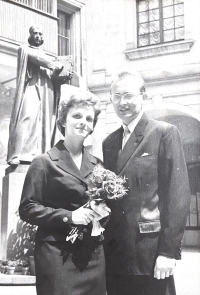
[65, 219]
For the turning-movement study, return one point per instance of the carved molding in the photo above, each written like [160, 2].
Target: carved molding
[159, 50]
[8, 46]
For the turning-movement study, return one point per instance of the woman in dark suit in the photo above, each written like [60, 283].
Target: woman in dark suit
[53, 197]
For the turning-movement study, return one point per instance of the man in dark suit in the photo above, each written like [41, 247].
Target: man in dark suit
[143, 237]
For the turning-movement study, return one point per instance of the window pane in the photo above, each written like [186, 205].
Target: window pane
[179, 33]
[168, 11]
[168, 23]
[168, 35]
[154, 26]
[152, 29]
[143, 28]
[63, 46]
[154, 14]
[155, 38]
[153, 4]
[179, 21]
[64, 24]
[63, 33]
[143, 5]
[143, 17]
[61, 25]
[179, 9]
[143, 40]
[167, 2]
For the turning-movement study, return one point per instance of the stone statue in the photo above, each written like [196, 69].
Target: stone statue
[33, 118]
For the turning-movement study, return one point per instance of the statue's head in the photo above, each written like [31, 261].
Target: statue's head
[36, 35]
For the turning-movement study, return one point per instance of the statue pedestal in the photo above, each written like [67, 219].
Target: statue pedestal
[11, 194]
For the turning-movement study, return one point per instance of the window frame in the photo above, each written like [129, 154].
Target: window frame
[66, 15]
[193, 212]
[161, 24]
[133, 53]
[76, 10]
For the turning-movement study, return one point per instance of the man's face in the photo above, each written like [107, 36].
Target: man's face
[36, 37]
[127, 109]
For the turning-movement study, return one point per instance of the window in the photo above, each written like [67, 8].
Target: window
[71, 32]
[43, 5]
[159, 21]
[193, 221]
[63, 33]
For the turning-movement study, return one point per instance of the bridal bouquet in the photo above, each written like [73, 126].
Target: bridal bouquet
[104, 185]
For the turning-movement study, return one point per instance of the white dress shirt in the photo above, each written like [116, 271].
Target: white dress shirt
[128, 129]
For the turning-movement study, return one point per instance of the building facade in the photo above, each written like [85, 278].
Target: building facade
[158, 38]
[161, 40]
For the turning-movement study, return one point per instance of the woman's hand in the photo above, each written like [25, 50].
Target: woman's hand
[83, 216]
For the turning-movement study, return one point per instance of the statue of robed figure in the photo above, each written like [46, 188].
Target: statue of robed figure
[32, 128]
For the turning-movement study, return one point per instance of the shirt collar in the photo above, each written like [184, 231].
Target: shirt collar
[134, 122]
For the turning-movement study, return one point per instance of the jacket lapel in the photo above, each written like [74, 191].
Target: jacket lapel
[132, 143]
[88, 163]
[114, 148]
[64, 161]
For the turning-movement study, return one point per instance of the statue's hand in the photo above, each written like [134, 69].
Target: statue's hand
[57, 66]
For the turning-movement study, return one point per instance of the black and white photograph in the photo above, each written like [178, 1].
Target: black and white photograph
[100, 147]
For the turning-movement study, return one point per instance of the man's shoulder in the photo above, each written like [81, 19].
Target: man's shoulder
[111, 136]
[161, 125]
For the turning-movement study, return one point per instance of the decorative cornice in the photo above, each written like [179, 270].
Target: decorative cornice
[10, 47]
[159, 50]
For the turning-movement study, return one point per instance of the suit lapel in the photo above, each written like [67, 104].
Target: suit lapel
[132, 143]
[114, 149]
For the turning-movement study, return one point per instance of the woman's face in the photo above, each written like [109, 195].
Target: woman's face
[79, 121]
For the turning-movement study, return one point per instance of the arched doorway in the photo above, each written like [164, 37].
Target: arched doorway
[188, 123]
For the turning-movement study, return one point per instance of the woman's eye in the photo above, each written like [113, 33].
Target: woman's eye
[77, 116]
[90, 119]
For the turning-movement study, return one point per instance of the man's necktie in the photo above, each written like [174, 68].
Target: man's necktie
[126, 136]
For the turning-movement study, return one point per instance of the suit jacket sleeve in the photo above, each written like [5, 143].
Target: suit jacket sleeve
[174, 193]
[31, 207]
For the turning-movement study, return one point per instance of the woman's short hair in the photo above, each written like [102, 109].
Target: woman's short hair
[80, 98]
